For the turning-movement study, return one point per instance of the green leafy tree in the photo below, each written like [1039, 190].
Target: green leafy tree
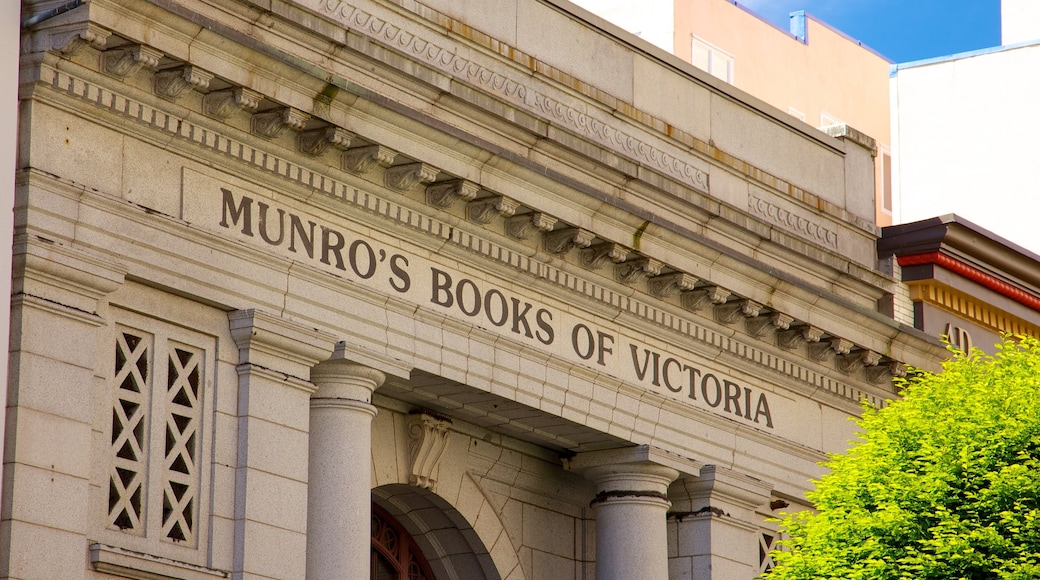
[944, 483]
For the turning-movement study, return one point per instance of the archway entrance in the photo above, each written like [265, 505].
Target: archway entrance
[446, 544]
[395, 555]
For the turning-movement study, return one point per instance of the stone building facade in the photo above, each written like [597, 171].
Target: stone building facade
[374, 289]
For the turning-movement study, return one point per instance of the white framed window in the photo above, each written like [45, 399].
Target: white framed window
[828, 120]
[796, 113]
[708, 57]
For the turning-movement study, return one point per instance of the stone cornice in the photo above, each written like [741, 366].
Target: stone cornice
[336, 193]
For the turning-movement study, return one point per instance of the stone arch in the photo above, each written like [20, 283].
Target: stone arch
[452, 546]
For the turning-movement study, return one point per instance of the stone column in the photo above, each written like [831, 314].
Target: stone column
[56, 293]
[630, 506]
[274, 389]
[339, 498]
[714, 526]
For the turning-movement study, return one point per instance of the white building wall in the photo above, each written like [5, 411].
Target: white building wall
[651, 20]
[965, 140]
[1019, 21]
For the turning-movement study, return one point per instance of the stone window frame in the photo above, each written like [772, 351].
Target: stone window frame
[113, 549]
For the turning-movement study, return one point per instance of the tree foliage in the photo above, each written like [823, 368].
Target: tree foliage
[944, 483]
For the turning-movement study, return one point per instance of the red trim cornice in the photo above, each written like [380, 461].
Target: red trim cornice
[974, 274]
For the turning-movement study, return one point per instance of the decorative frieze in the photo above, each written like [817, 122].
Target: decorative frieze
[667, 285]
[485, 210]
[700, 298]
[444, 193]
[361, 159]
[524, 226]
[427, 439]
[318, 141]
[173, 83]
[127, 60]
[272, 123]
[221, 104]
[632, 271]
[562, 240]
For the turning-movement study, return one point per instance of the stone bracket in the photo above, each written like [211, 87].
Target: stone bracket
[221, 104]
[562, 240]
[427, 439]
[444, 193]
[822, 350]
[667, 285]
[272, 123]
[700, 298]
[524, 226]
[794, 337]
[318, 141]
[882, 372]
[406, 176]
[124, 61]
[632, 271]
[597, 255]
[485, 210]
[175, 82]
[731, 312]
[69, 39]
[854, 361]
[361, 159]
[758, 325]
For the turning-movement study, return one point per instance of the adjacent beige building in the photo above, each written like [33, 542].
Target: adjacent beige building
[340, 289]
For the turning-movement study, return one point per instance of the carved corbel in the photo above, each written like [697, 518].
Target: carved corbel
[524, 226]
[885, 371]
[408, 175]
[485, 210]
[632, 271]
[173, 83]
[126, 60]
[822, 350]
[562, 240]
[361, 159]
[427, 440]
[794, 337]
[318, 141]
[272, 123]
[667, 285]
[758, 325]
[731, 312]
[701, 297]
[852, 362]
[221, 104]
[598, 255]
[68, 40]
[444, 193]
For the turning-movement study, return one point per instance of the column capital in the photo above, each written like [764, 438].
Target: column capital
[631, 469]
[717, 486]
[341, 378]
[277, 344]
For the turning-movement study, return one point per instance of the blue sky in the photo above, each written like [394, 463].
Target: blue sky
[901, 30]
